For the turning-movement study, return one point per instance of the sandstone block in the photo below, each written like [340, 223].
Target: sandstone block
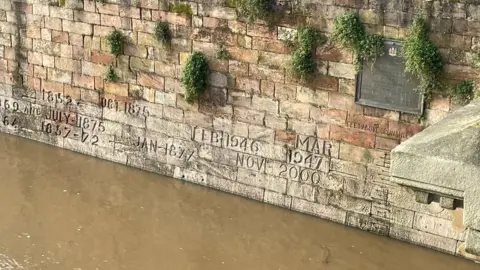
[262, 180]
[198, 119]
[217, 11]
[39, 9]
[269, 45]
[248, 116]
[68, 64]
[261, 133]
[341, 70]
[301, 190]
[118, 89]
[323, 211]
[243, 55]
[105, 8]
[302, 127]
[267, 104]
[307, 95]
[262, 72]
[169, 128]
[422, 238]
[217, 79]
[139, 64]
[354, 169]
[86, 17]
[77, 27]
[173, 114]
[92, 69]
[59, 76]
[278, 199]
[150, 80]
[46, 47]
[168, 99]
[62, 13]
[83, 81]
[367, 223]
[437, 226]
[294, 109]
[285, 91]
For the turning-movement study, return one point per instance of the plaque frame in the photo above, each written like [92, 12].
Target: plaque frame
[418, 110]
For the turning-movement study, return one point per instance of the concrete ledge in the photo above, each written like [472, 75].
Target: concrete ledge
[444, 161]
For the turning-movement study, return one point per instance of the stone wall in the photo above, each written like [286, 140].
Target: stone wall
[257, 132]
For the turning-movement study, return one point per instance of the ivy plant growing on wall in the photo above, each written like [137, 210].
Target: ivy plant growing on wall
[253, 10]
[302, 63]
[182, 8]
[163, 34]
[116, 42]
[110, 75]
[476, 57]
[464, 91]
[221, 53]
[194, 76]
[349, 33]
[422, 57]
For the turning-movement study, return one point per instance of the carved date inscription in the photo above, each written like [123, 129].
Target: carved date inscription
[314, 145]
[56, 98]
[67, 131]
[76, 120]
[226, 140]
[165, 149]
[251, 162]
[125, 106]
[307, 160]
[299, 174]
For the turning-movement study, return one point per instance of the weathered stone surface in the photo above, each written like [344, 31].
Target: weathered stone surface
[277, 199]
[452, 154]
[256, 130]
[323, 211]
[425, 239]
[367, 223]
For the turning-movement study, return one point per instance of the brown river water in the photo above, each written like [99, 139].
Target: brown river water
[63, 210]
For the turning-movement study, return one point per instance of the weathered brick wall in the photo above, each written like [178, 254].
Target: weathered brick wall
[256, 132]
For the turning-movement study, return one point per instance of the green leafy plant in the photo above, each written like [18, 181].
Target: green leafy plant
[255, 9]
[162, 33]
[464, 91]
[222, 53]
[116, 42]
[110, 75]
[231, 3]
[302, 63]
[476, 57]
[181, 8]
[349, 33]
[422, 57]
[194, 75]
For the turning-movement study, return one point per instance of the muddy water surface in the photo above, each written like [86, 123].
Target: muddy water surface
[66, 211]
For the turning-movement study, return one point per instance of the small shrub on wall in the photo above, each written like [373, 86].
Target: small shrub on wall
[163, 34]
[110, 75]
[464, 92]
[194, 76]
[422, 57]
[302, 63]
[116, 42]
[349, 33]
[181, 8]
[253, 10]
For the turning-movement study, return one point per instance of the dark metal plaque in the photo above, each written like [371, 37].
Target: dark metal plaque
[386, 85]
